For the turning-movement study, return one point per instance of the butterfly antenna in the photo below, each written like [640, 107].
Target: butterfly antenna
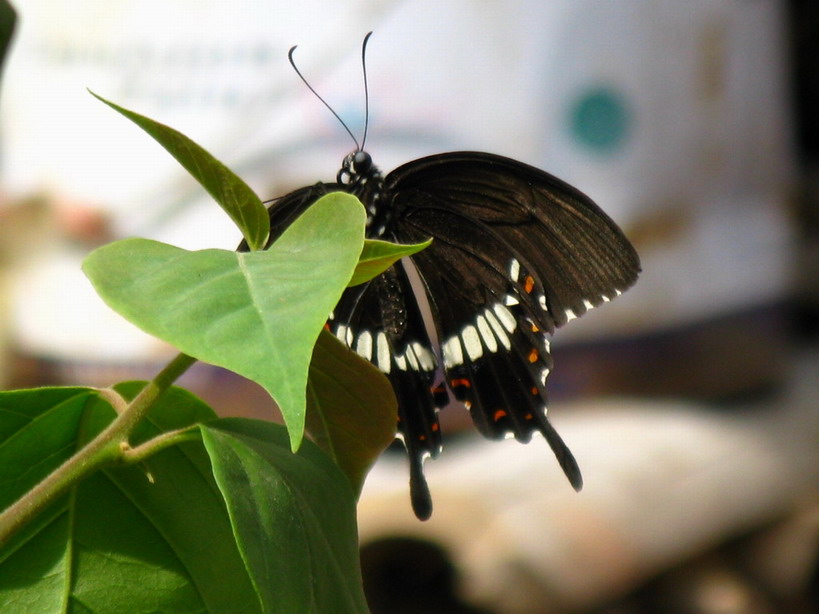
[324, 102]
[366, 88]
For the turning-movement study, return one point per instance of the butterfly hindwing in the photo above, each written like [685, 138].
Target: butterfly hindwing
[381, 320]
[493, 336]
[516, 253]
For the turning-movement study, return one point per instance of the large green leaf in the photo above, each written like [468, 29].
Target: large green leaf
[351, 408]
[293, 515]
[38, 432]
[241, 203]
[256, 313]
[153, 538]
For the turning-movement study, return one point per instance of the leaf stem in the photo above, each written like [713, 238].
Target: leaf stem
[109, 447]
[141, 403]
[114, 399]
[160, 442]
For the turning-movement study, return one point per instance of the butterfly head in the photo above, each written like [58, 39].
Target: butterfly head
[356, 168]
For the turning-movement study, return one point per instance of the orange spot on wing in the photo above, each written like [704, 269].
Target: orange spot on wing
[499, 413]
[436, 427]
[460, 382]
[533, 355]
[534, 390]
[535, 328]
[529, 284]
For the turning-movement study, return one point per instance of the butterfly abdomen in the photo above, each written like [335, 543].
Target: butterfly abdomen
[393, 306]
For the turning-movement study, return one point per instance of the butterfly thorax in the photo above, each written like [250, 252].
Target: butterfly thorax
[365, 181]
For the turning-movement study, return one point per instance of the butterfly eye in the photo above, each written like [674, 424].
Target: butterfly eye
[356, 168]
[361, 163]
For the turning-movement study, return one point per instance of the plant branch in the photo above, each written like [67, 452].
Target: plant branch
[160, 442]
[143, 402]
[106, 448]
[114, 399]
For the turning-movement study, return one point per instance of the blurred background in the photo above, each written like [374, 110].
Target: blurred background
[691, 403]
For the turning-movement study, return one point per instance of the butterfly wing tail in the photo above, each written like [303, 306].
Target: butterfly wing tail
[420, 430]
[419, 490]
[564, 456]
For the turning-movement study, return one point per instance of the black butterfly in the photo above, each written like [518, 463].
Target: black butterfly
[515, 254]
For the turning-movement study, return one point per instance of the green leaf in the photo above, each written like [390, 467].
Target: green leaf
[293, 515]
[256, 313]
[38, 431]
[377, 256]
[351, 408]
[243, 206]
[151, 538]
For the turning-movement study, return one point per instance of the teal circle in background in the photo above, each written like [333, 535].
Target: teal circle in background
[599, 120]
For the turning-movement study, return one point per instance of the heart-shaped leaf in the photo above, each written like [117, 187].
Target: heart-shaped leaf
[241, 203]
[256, 313]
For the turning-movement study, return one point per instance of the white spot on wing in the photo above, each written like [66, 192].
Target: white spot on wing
[505, 316]
[382, 352]
[510, 300]
[499, 332]
[364, 345]
[587, 304]
[544, 375]
[452, 352]
[514, 269]
[570, 315]
[425, 357]
[344, 333]
[412, 359]
[486, 334]
[542, 300]
[472, 342]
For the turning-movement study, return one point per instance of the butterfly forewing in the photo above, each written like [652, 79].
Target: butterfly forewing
[578, 254]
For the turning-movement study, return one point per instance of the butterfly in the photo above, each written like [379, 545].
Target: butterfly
[516, 253]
